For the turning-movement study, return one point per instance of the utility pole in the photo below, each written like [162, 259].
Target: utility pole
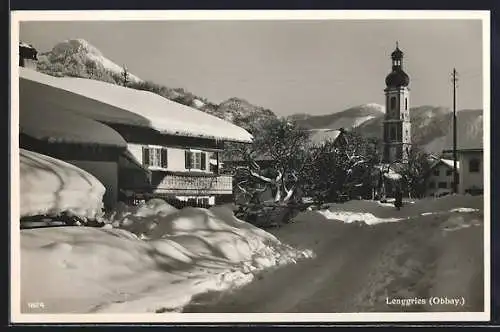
[455, 171]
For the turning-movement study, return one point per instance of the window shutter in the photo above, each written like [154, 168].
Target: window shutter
[187, 160]
[145, 156]
[203, 161]
[164, 158]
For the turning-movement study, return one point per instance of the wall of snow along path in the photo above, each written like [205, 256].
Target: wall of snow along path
[145, 259]
[374, 212]
[49, 186]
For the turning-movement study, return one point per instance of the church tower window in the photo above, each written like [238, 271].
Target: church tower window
[393, 103]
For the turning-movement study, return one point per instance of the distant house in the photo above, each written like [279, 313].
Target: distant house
[27, 56]
[320, 136]
[439, 180]
[469, 152]
[172, 151]
[263, 160]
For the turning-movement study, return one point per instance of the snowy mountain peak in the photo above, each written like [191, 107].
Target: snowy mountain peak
[78, 54]
[78, 45]
[373, 106]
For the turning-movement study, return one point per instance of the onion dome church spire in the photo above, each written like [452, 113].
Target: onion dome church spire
[397, 78]
[397, 124]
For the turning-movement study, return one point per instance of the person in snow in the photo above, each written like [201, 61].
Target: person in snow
[398, 198]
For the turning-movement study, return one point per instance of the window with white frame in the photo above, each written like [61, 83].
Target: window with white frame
[195, 160]
[154, 156]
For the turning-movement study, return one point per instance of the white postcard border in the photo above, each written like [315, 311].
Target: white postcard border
[147, 15]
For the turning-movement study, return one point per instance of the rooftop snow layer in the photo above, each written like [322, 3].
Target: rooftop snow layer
[50, 187]
[62, 126]
[23, 44]
[110, 103]
[319, 136]
[449, 163]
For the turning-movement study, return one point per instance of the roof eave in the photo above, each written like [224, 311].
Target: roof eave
[465, 150]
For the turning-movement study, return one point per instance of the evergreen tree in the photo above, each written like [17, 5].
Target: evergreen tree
[125, 76]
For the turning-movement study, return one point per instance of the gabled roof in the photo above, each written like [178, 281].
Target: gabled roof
[110, 103]
[446, 162]
[319, 136]
[449, 163]
[25, 45]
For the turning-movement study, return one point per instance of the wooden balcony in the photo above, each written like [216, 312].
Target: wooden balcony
[192, 184]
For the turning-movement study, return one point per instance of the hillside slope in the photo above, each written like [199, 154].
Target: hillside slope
[431, 125]
[79, 58]
[347, 119]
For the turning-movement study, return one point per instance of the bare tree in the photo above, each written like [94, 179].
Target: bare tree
[285, 146]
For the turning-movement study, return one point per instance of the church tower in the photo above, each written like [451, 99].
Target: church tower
[397, 126]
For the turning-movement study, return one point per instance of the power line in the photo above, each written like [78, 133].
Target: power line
[454, 80]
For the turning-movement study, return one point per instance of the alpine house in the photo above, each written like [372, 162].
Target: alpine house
[172, 151]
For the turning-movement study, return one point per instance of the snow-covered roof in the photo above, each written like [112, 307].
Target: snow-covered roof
[449, 162]
[46, 122]
[319, 136]
[391, 171]
[23, 44]
[110, 103]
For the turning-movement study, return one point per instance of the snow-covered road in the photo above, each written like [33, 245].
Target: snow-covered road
[428, 256]
[154, 258]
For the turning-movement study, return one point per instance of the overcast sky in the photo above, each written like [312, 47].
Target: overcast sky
[290, 67]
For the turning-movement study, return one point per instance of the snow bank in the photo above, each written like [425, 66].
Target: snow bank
[349, 217]
[155, 261]
[50, 187]
[374, 212]
[457, 221]
[464, 210]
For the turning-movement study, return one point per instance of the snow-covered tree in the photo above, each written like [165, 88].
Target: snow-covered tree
[91, 68]
[285, 146]
[415, 170]
[344, 169]
[125, 76]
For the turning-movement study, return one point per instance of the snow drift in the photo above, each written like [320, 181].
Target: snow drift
[50, 187]
[374, 212]
[150, 258]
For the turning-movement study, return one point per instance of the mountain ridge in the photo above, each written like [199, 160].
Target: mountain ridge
[79, 58]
